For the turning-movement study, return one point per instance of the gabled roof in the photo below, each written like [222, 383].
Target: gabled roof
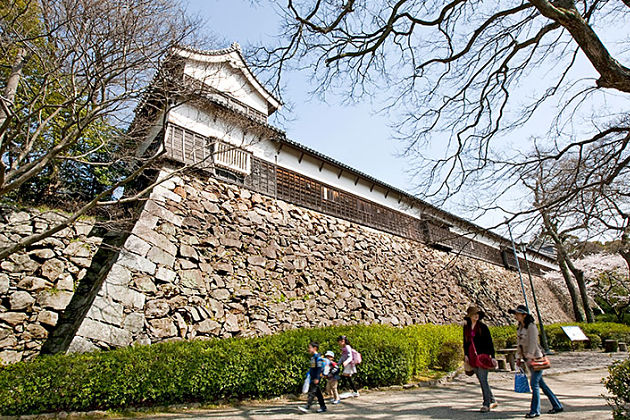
[233, 56]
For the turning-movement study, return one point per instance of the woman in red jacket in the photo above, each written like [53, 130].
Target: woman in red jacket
[477, 342]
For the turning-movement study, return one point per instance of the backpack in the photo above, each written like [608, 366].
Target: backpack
[356, 357]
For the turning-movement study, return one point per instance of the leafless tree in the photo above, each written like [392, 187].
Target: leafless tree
[465, 74]
[576, 199]
[72, 72]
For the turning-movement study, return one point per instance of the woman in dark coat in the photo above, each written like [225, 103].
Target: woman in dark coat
[477, 341]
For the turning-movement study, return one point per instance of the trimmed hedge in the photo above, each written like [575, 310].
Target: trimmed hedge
[215, 370]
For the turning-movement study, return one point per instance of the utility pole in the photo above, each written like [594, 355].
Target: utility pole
[543, 334]
[518, 266]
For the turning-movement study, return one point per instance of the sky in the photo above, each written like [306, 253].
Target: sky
[354, 134]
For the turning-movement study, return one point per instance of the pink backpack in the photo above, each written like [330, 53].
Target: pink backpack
[356, 357]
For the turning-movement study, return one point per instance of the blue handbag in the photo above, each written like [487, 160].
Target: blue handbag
[521, 383]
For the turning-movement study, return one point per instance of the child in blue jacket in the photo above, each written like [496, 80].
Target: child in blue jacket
[315, 372]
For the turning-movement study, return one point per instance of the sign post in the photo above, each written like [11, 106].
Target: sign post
[543, 333]
[518, 266]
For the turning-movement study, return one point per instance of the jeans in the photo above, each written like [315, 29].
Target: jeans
[315, 391]
[538, 383]
[482, 375]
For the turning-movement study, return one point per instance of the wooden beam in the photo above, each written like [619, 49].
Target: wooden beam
[279, 148]
[356, 181]
[386, 193]
[301, 157]
[372, 187]
[339, 174]
[399, 199]
[321, 166]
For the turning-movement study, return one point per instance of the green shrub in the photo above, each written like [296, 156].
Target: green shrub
[210, 371]
[214, 370]
[618, 384]
[596, 332]
[450, 356]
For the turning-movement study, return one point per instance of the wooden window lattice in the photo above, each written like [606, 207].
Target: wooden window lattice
[264, 177]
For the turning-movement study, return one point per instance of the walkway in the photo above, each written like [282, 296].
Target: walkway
[575, 378]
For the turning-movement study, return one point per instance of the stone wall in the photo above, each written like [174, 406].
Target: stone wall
[36, 285]
[209, 259]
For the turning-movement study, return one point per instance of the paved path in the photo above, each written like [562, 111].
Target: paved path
[575, 378]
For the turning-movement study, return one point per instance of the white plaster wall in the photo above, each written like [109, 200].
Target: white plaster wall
[229, 79]
[212, 125]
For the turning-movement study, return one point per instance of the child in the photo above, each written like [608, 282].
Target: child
[315, 372]
[347, 363]
[332, 375]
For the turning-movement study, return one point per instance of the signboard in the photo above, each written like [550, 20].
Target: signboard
[575, 333]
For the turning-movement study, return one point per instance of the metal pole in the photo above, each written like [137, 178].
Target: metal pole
[543, 334]
[518, 266]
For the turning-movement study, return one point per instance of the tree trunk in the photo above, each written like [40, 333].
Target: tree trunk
[10, 90]
[579, 278]
[563, 255]
[577, 312]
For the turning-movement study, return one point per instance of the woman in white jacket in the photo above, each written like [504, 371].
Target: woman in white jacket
[529, 349]
[347, 364]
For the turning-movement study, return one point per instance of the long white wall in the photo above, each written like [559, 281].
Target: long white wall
[210, 124]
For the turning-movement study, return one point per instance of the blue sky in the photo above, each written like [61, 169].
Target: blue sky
[356, 134]
[352, 134]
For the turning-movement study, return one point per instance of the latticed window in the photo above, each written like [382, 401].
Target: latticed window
[188, 147]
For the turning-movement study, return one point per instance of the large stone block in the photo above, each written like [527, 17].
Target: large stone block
[136, 262]
[162, 328]
[208, 326]
[21, 301]
[123, 294]
[161, 257]
[156, 309]
[52, 269]
[78, 249]
[105, 310]
[156, 209]
[134, 322]
[113, 336]
[9, 356]
[24, 263]
[137, 245]
[13, 318]
[47, 318]
[154, 238]
[54, 299]
[32, 284]
[4, 283]
[165, 275]
[81, 345]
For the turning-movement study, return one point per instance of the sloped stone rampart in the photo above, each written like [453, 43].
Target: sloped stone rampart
[37, 284]
[209, 259]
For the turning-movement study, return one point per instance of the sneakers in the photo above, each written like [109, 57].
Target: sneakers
[304, 408]
[531, 415]
[336, 401]
[485, 409]
[555, 410]
[355, 394]
[494, 405]
[321, 410]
